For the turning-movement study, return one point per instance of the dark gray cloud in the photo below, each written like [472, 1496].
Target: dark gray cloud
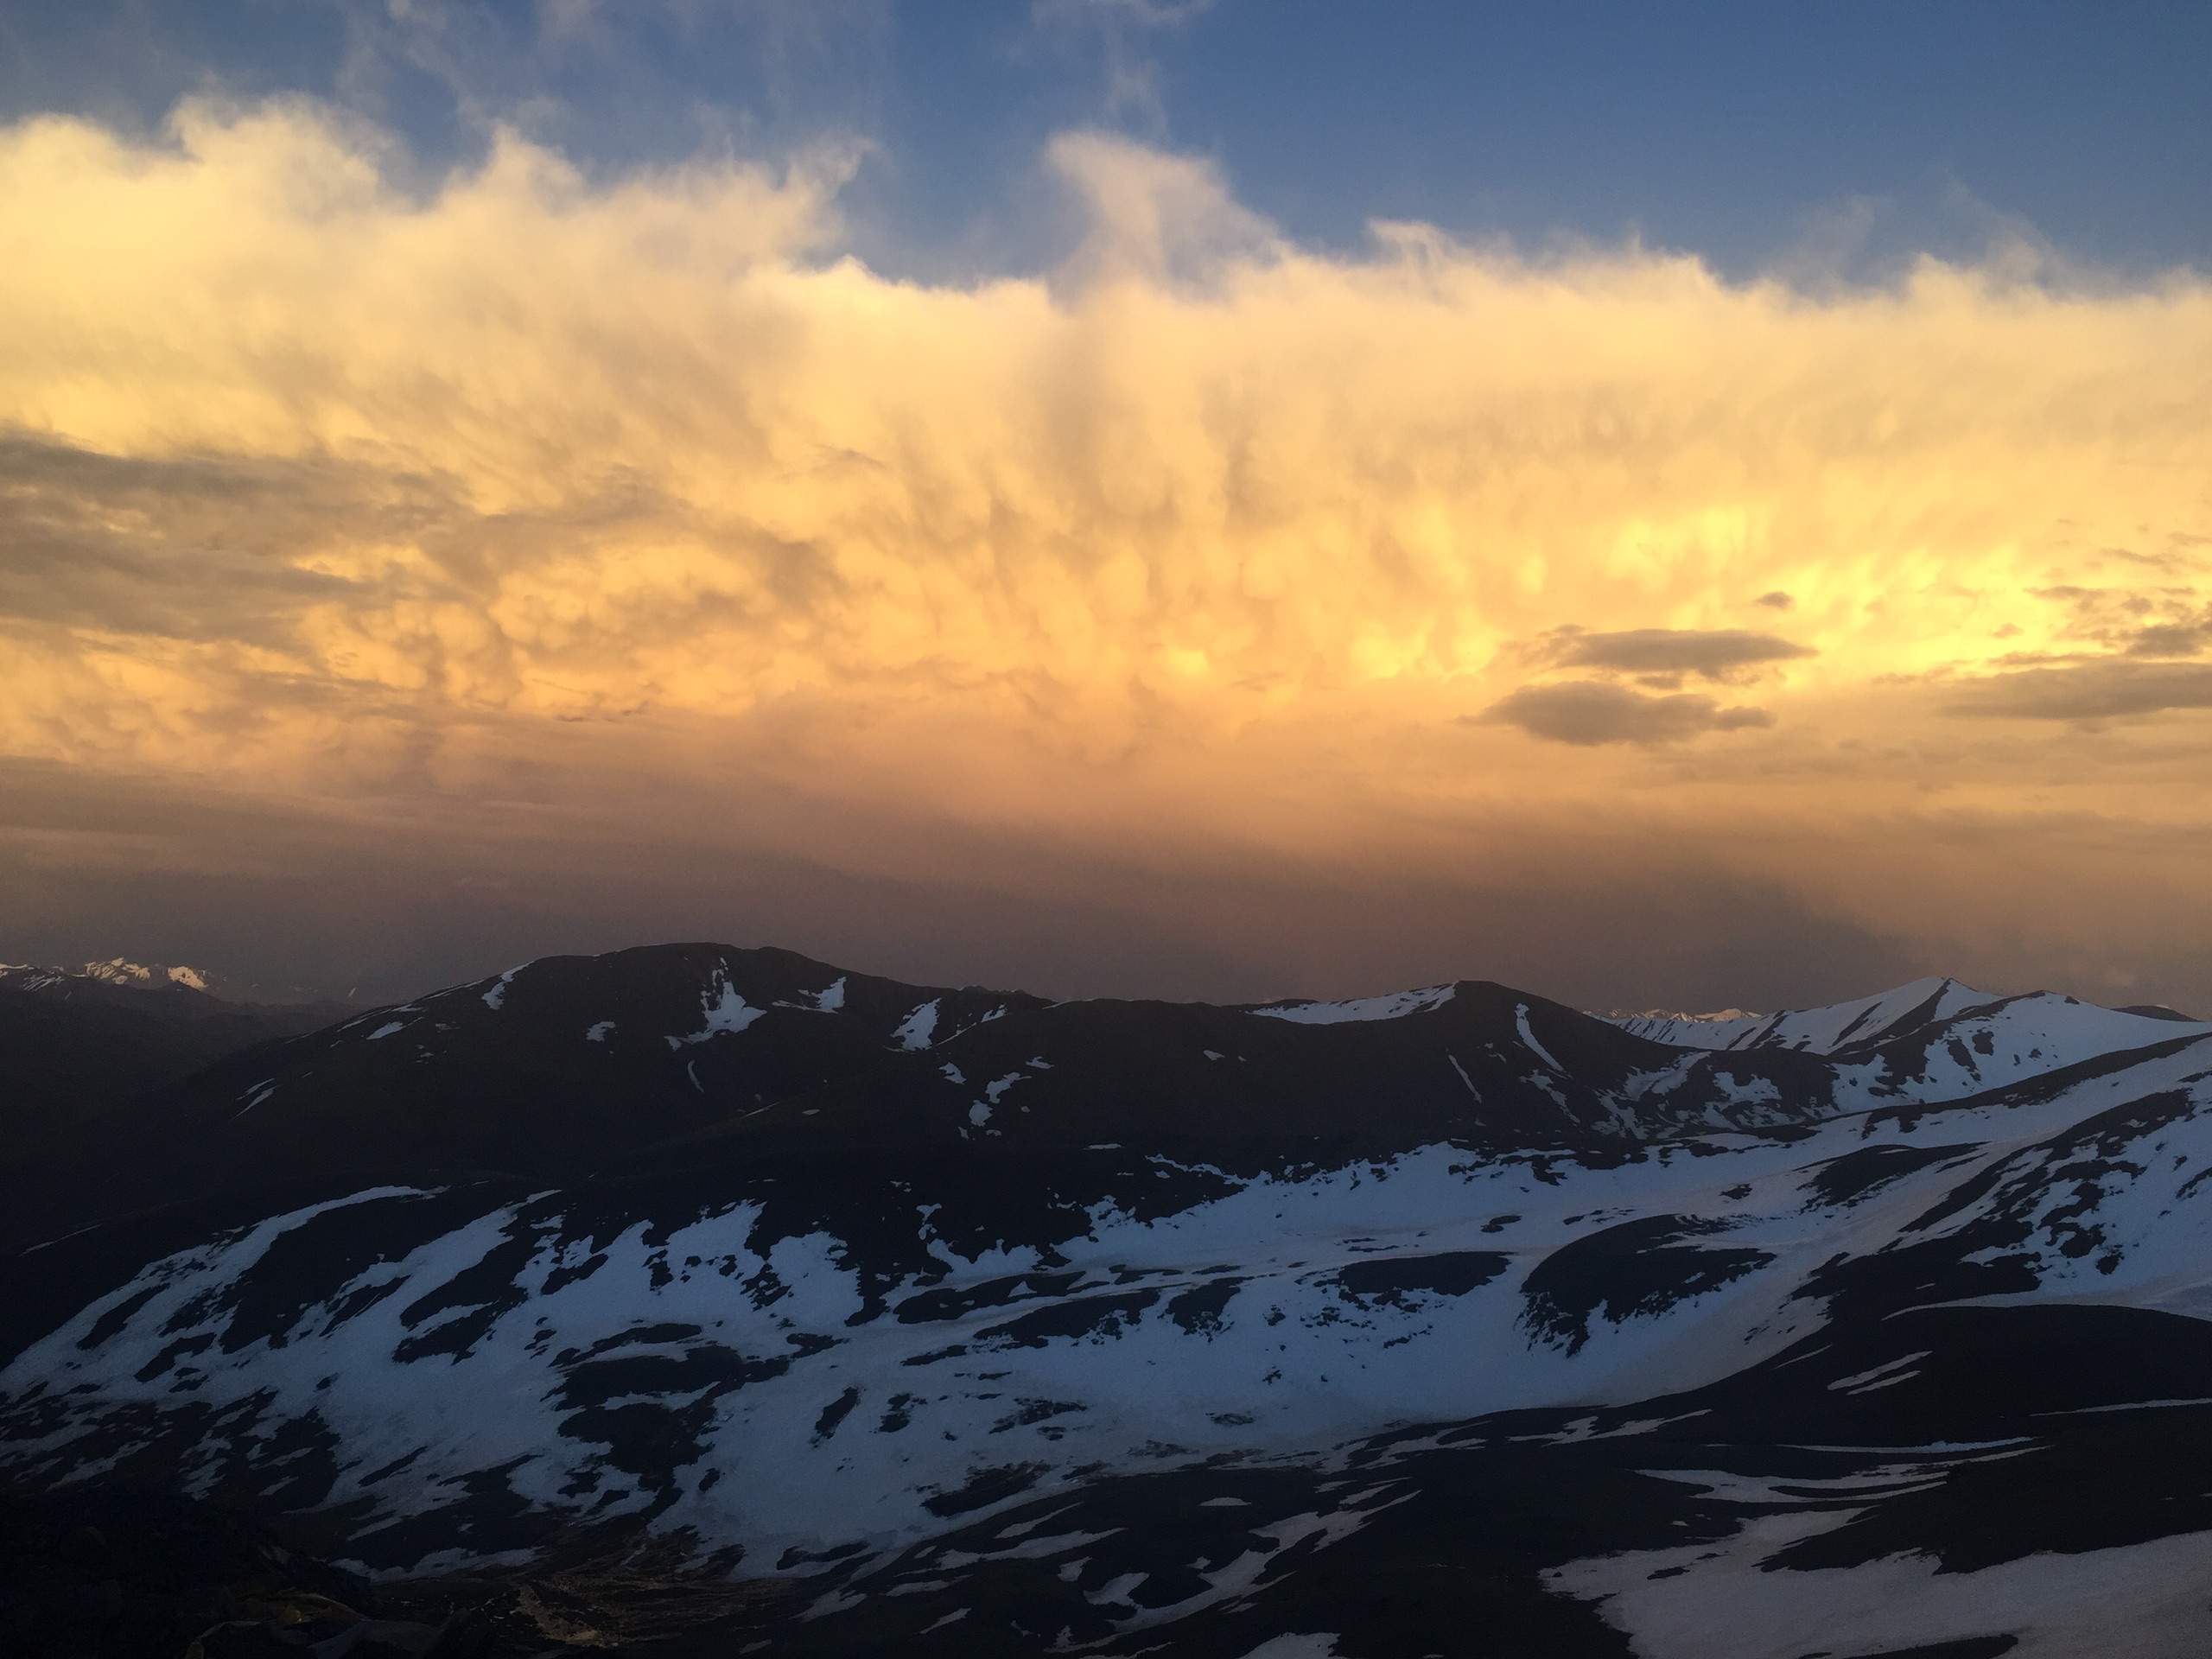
[2095, 690]
[194, 549]
[2161, 623]
[2171, 640]
[1710, 653]
[1594, 711]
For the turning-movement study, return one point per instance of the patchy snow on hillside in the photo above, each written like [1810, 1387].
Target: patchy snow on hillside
[857, 1364]
[1287, 1314]
[1395, 1006]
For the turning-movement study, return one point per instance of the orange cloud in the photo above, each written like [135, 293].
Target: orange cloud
[1204, 541]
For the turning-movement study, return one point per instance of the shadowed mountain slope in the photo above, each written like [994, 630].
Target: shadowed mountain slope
[76, 1044]
[691, 1057]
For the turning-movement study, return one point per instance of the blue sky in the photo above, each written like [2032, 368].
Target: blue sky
[1827, 137]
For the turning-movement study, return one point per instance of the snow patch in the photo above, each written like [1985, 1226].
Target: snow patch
[726, 1011]
[1528, 1040]
[915, 1031]
[1320, 1645]
[1852, 1384]
[497, 994]
[1723, 1601]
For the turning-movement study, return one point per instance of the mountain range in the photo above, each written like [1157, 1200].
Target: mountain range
[693, 1298]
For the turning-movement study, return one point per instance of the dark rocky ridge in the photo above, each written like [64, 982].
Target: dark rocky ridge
[505, 1078]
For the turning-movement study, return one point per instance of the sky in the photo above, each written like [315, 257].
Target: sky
[1664, 506]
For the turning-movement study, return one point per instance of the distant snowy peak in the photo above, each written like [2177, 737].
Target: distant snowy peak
[1930, 1033]
[1722, 1030]
[1815, 1031]
[117, 971]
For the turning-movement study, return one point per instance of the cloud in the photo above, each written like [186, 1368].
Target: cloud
[2087, 691]
[1153, 217]
[2166, 620]
[197, 549]
[1131, 77]
[551, 498]
[1591, 712]
[1711, 653]
[2171, 640]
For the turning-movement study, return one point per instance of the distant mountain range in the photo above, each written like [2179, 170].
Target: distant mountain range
[953, 1320]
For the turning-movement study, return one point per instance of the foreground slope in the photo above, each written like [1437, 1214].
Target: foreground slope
[944, 1308]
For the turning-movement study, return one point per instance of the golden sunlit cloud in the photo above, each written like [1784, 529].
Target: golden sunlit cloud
[1202, 542]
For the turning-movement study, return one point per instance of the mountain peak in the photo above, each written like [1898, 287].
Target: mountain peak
[117, 970]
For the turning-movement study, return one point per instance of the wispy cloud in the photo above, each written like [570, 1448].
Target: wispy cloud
[1155, 218]
[1119, 29]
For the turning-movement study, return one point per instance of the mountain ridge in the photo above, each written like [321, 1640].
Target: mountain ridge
[993, 1323]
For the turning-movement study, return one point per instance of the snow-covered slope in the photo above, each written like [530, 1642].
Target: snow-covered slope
[1933, 1039]
[1132, 1324]
[1820, 1031]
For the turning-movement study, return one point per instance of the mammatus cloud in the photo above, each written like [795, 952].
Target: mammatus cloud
[1594, 711]
[532, 490]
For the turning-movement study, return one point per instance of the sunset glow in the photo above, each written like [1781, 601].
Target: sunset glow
[1428, 562]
